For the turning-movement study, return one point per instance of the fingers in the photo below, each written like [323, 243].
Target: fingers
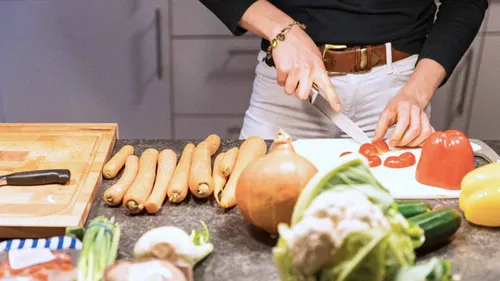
[305, 84]
[322, 80]
[292, 81]
[384, 122]
[403, 120]
[425, 131]
[413, 131]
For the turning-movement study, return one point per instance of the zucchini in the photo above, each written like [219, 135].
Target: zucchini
[438, 225]
[412, 208]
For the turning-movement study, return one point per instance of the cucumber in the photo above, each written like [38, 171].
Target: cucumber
[438, 225]
[412, 208]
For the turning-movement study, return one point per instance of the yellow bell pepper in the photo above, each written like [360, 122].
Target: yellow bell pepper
[480, 195]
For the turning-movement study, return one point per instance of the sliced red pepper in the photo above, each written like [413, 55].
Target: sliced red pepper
[374, 148]
[404, 160]
[381, 146]
[374, 161]
[446, 158]
[345, 153]
[367, 149]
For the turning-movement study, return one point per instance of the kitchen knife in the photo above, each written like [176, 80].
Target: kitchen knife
[36, 177]
[339, 118]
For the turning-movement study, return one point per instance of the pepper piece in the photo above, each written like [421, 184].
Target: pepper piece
[446, 158]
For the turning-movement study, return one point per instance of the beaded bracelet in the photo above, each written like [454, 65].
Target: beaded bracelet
[281, 37]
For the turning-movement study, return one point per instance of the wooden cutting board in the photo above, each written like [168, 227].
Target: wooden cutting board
[46, 210]
[324, 154]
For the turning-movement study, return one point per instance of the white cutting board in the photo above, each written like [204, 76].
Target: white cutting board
[324, 154]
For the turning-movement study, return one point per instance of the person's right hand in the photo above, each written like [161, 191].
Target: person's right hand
[299, 64]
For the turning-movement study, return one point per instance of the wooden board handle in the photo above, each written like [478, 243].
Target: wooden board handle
[39, 177]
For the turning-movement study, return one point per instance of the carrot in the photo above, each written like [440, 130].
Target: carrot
[111, 169]
[139, 192]
[200, 176]
[114, 195]
[178, 187]
[252, 148]
[167, 160]
[213, 141]
[227, 163]
[219, 179]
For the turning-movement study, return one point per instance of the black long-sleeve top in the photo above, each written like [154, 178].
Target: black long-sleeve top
[409, 25]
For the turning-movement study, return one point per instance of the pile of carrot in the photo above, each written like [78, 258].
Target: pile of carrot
[146, 182]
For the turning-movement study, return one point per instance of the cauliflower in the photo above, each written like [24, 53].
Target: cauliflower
[331, 217]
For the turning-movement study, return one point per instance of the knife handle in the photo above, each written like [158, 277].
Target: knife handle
[39, 177]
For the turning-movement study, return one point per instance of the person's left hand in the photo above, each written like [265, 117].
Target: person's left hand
[412, 124]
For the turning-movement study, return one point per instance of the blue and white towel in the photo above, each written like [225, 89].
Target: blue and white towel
[53, 243]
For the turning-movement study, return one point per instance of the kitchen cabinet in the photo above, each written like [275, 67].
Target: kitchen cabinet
[191, 18]
[196, 127]
[485, 113]
[451, 104]
[87, 61]
[218, 78]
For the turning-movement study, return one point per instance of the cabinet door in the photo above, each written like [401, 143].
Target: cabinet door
[86, 61]
[484, 123]
[451, 104]
[196, 127]
[214, 76]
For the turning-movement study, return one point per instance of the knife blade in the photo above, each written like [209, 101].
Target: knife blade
[338, 118]
[36, 177]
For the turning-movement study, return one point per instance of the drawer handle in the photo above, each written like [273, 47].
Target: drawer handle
[159, 53]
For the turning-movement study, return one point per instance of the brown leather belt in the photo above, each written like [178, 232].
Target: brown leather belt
[339, 59]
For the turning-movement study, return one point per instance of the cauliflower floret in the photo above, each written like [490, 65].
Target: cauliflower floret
[327, 221]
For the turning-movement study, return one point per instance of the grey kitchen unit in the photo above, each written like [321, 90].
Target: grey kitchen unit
[87, 61]
[171, 69]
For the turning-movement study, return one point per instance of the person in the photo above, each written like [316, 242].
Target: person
[378, 61]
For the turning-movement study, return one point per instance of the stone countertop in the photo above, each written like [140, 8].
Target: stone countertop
[244, 253]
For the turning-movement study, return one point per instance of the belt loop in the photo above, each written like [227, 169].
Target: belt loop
[388, 56]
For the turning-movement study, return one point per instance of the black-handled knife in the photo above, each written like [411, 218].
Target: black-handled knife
[36, 177]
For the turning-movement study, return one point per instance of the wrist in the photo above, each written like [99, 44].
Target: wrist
[424, 81]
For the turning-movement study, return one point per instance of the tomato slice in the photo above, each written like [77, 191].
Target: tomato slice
[404, 160]
[381, 146]
[367, 149]
[374, 161]
[345, 153]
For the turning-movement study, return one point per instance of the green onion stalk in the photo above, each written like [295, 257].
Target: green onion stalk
[100, 248]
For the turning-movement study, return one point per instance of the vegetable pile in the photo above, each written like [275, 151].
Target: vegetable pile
[346, 226]
[157, 176]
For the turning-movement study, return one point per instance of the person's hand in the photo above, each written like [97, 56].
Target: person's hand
[412, 124]
[299, 64]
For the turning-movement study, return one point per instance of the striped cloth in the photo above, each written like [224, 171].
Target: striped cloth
[53, 243]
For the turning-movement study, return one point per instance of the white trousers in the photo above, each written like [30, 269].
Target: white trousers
[363, 97]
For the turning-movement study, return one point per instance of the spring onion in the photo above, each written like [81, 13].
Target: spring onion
[100, 248]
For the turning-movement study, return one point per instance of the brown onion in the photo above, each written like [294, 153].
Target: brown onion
[270, 185]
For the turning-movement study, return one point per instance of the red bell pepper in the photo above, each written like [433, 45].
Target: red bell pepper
[446, 158]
